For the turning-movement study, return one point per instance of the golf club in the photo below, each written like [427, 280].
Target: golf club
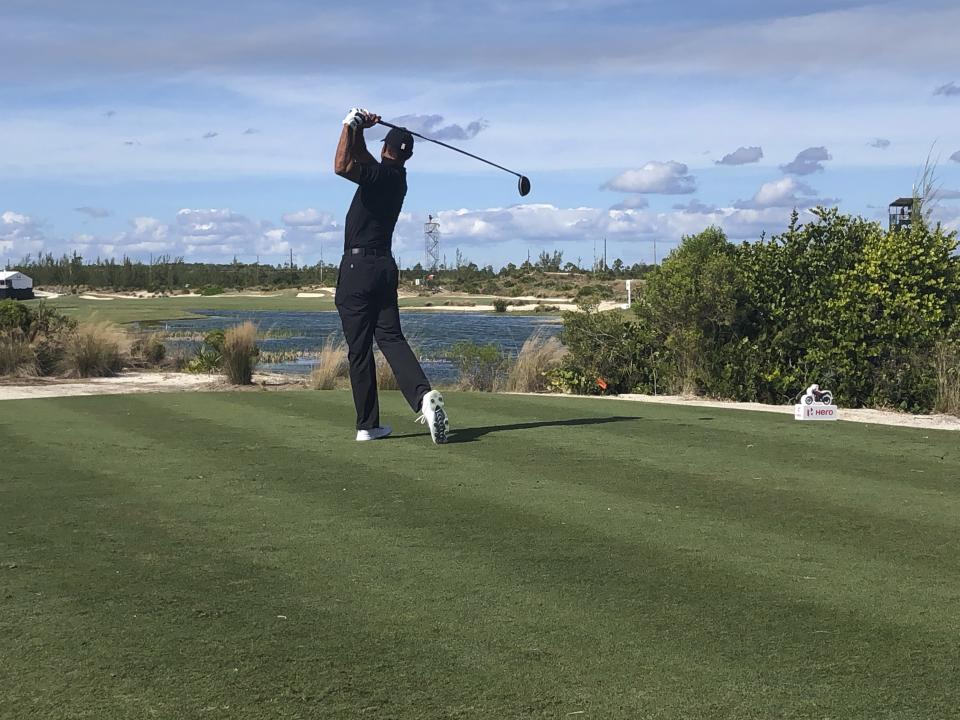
[523, 185]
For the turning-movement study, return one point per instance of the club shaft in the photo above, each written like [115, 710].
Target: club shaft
[451, 147]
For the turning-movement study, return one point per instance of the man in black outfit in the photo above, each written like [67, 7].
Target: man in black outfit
[367, 281]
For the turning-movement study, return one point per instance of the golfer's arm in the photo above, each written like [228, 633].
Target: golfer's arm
[351, 152]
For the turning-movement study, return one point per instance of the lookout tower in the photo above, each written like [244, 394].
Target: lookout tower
[902, 211]
[431, 244]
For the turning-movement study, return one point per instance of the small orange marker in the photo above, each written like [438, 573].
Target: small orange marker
[601, 383]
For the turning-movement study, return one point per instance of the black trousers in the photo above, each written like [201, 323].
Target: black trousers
[366, 299]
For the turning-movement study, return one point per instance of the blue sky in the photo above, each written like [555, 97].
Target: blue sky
[207, 129]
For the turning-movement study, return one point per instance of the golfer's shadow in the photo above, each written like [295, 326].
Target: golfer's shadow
[465, 435]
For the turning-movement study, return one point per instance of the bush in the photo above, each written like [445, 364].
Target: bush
[331, 365]
[240, 353]
[500, 305]
[482, 367]
[15, 316]
[149, 349]
[537, 357]
[95, 349]
[211, 290]
[605, 345]
[208, 357]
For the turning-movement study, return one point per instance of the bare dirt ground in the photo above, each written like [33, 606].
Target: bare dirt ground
[152, 382]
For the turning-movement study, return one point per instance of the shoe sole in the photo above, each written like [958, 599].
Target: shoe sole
[439, 428]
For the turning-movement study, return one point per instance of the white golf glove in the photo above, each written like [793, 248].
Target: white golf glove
[355, 118]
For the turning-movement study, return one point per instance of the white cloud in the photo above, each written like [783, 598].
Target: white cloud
[545, 225]
[785, 192]
[948, 90]
[742, 156]
[432, 126]
[664, 178]
[880, 143]
[808, 161]
[695, 207]
[632, 202]
[20, 234]
[310, 218]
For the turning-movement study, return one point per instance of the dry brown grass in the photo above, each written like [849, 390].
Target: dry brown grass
[17, 358]
[240, 353]
[947, 364]
[538, 355]
[95, 349]
[385, 377]
[331, 365]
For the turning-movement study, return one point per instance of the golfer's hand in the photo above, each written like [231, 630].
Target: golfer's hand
[355, 118]
[370, 119]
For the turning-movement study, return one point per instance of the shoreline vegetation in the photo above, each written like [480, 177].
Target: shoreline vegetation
[869, 313]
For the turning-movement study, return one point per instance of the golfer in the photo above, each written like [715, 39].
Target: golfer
[368, 277]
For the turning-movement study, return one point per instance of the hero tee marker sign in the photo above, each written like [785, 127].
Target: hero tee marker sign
[816, 404]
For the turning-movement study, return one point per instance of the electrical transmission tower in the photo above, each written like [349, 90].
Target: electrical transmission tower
[431, 244]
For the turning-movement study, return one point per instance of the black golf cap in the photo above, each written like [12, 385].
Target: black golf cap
[400, 139]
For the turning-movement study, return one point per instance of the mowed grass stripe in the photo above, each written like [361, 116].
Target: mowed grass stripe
[386, 617]
[542, 553]
[868, 524]
[770, 549]
[457, 627]
[818, 553]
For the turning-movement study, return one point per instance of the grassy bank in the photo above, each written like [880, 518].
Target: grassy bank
[179, 307]
[238, 555]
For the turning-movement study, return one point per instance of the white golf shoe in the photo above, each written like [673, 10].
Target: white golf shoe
[435, 416]
[374, 433]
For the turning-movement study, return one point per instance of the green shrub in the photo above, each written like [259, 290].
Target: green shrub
[208, 357]
[607, 346]
[209, 290]
[482, 367]
[15, 316]
[500, 305]
[239, 353]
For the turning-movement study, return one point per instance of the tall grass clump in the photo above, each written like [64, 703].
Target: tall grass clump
[386, 380]
[946, 362]
[538, 355]
[331, 365]
[95, 349]
[240, 353]
[17, 358]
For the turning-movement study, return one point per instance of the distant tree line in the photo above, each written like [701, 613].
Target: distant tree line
[166, 273]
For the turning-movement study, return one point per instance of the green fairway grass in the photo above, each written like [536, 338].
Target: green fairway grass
[238, 555]
[128, 310]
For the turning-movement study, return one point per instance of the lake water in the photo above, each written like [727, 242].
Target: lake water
[430, 334]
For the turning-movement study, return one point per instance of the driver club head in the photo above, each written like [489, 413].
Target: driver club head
[524, 186]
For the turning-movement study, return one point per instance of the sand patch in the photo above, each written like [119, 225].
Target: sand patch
[131, 383]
